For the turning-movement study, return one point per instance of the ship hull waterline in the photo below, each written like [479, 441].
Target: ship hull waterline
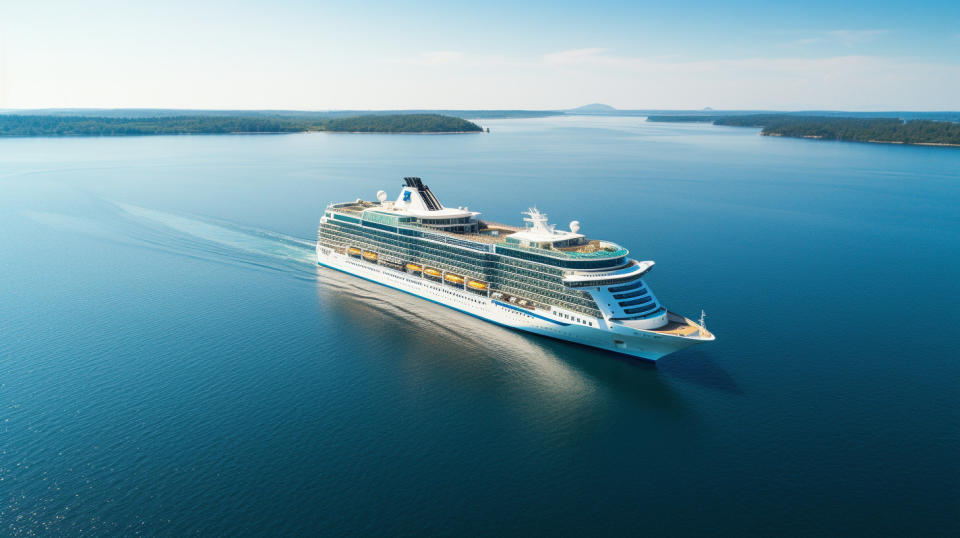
[614, 338]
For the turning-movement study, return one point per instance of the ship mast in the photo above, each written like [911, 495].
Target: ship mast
[538, 221]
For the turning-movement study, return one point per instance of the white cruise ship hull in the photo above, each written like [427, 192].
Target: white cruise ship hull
[594, 332]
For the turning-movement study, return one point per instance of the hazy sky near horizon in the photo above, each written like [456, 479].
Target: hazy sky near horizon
[292, 54]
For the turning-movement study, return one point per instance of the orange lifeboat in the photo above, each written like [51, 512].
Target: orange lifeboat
[414, 267]
[455, 279]
[477, 285]
[353, 251]
[372, 256]
[432, 272]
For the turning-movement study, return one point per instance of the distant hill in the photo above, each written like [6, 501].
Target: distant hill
[593, 108]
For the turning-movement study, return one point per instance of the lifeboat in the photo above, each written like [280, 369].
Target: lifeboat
[353, 251]
[477, 285]
[431, 272]
[455, 279]
[372, 256]
[414, 267]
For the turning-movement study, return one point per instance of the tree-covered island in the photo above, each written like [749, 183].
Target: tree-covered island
[880, 130]
[56, 125]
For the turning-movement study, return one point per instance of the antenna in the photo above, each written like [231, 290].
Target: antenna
[703, 320]
[382, 196]
[537, 221]
[575, 226]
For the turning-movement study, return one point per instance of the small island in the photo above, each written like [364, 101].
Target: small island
[876, 130]
[400, 123]
[59, 125]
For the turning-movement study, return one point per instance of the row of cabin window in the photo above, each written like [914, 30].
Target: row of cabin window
[631, 294]
[642, 300]
[574, 318]
[566, 316]
[649, 315]
[605, 282]
[482, 259]
[641, 309]
[563, 298]
[575, 302]
[618, 289]
[555, 291]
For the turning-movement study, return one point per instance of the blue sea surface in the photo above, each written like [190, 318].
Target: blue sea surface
[172, 360]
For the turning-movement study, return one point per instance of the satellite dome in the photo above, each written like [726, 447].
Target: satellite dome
[382, 196]
[575, 226]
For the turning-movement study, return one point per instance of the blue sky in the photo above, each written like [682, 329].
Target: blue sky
[381, 55]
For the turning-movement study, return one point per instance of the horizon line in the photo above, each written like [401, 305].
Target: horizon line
[611, 109]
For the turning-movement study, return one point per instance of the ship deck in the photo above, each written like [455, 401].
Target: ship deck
[485, 236]
[681, 326]
[355, 207]
[591, 246]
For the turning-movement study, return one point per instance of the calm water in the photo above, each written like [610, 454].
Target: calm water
[173, 362]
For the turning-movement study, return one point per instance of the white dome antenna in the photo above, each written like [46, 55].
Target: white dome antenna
[575, 226]
[382, 196]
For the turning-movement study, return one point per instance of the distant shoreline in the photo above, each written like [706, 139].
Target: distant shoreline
[56, 126]
[866, 130]
[814, 137]
[2, 136]
[914, 143]
[395, 132]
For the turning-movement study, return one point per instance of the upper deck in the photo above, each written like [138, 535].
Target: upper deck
[417, 212]
[489, 234]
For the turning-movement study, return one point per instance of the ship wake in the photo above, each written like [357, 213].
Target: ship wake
[218, 241]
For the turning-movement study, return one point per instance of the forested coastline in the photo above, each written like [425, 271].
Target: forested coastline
[54, 125]
[882, 130]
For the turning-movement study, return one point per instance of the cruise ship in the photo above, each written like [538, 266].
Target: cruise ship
[536, 278]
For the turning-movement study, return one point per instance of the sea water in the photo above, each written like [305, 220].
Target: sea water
[172, 360]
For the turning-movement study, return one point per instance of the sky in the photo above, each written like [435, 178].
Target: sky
[315, 55]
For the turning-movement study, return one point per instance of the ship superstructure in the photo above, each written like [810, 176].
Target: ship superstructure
[556, 283]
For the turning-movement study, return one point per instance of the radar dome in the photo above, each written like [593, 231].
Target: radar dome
[382, 196]
[575, 226]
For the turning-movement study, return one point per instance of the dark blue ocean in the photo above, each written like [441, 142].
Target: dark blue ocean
[173, 362]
